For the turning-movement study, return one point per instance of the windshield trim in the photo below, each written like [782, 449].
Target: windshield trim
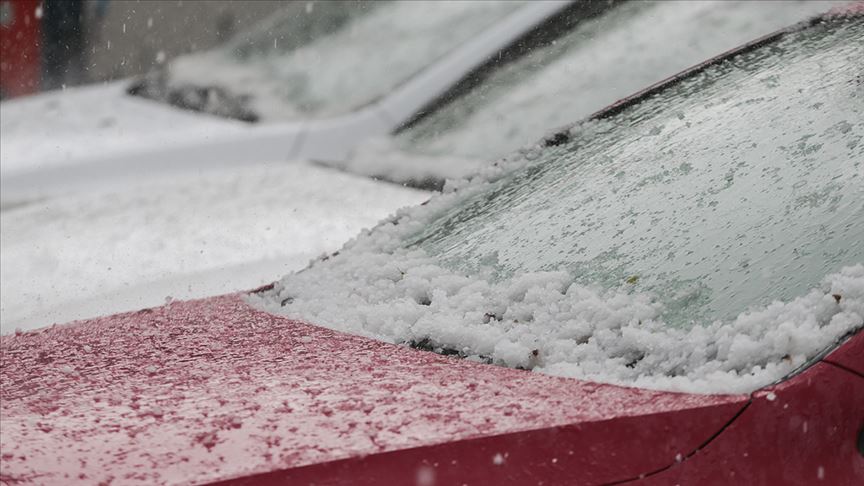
[655, 88]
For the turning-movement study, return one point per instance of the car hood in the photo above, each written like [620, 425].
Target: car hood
[106, 251]
[92, 137]
[67, 127]
[210, 390]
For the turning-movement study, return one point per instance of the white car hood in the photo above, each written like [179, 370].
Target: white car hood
[74, 125]
[88, 138]
[85, 255]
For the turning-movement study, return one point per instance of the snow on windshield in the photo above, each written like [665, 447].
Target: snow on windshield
[600, 61]
[370, 54]
[473, 273]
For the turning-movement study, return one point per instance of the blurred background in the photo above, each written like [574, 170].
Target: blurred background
[47, 44]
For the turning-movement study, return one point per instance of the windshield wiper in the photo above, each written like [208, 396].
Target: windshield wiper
[215, 100]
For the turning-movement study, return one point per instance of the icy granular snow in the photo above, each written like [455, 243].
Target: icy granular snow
[577, 331]
[376, 287]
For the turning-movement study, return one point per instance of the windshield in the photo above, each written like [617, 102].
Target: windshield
[705, 239]
[778, 192]
[596, 63]
[348, 55]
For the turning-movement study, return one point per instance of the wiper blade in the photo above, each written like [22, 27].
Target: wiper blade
[213, 99]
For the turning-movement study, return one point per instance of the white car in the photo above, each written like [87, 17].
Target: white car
[371, 72]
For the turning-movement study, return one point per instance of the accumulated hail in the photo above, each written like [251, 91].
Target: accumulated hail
[544, 321]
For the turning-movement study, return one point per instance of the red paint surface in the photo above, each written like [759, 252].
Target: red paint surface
[20, 41]
[801, 432]
[581, 453]
[850, 355]
[853, 8]
[209, 390]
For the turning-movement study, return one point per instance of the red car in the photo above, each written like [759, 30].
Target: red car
[20, 47]
[219, 391]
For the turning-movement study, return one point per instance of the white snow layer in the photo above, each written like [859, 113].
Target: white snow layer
[603, 59]
[340, 72]
[375, 287]
[61, 128]
[184, 237]
[609, 58]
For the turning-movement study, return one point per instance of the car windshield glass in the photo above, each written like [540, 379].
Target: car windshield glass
[348, 55]
[706, 237]
[600, 61]
[736, 187]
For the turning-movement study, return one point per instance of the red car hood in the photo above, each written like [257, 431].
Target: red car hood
[214, 390]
